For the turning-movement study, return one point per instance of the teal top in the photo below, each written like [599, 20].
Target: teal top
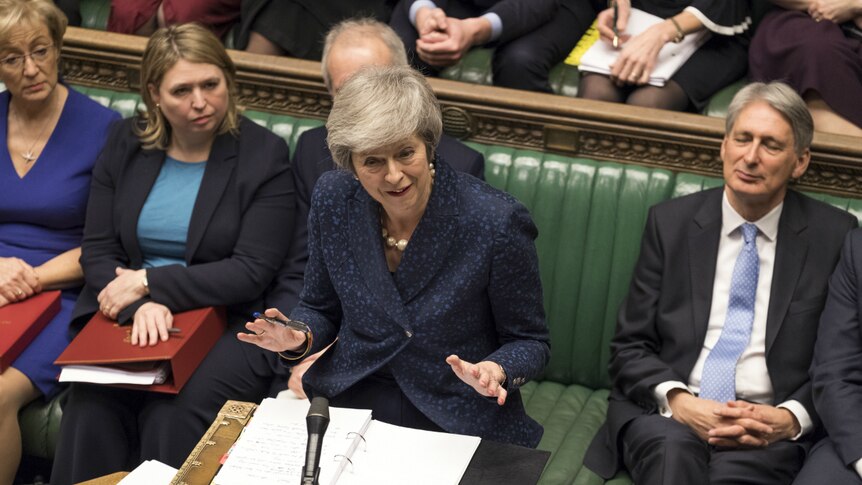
[163, 224]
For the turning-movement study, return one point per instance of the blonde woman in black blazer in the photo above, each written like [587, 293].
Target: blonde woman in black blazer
[239, 225]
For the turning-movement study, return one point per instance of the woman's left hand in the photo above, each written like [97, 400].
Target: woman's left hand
[127, 288]
[486, 377]
[639, 54]
[151, 323]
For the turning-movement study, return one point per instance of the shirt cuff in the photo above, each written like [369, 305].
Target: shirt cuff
[798, 410]
[496, 25]
[411, 14]
[660, 391]
[857, 465]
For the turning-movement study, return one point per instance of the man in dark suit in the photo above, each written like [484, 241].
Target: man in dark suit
[835, 375]
[710, 359]
[349, 46]
[531, 36]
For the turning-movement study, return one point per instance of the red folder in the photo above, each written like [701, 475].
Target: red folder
[21, 322]
[104, 342]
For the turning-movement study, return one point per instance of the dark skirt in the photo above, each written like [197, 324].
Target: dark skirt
[300, 26]
[381, 394]
[810, 56]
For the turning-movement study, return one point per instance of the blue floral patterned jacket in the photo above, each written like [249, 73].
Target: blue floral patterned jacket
[468, 284]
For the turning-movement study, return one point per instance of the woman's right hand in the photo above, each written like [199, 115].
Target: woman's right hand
[18, 281]
[151, 323]
[605, 21]
[272, 337]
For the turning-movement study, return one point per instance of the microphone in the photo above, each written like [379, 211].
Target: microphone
[317, 421]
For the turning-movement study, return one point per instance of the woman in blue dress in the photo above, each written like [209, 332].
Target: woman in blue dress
[51, 137]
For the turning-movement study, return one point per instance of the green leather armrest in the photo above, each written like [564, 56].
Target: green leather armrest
[95, 13]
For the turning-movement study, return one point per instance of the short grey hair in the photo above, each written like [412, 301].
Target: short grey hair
[379, 106]
[359, 29]
[781, 98]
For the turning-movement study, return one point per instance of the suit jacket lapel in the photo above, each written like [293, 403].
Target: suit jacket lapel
[427, 252]
[790, 253]
[367, 246]
[217, 174]
[703, 250]
[144, 170]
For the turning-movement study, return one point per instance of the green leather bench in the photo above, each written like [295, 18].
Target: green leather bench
[590, 217]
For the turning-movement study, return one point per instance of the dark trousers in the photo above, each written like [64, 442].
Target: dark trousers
[823, 465]
[106, 429]
[659, 450]
[521, 63]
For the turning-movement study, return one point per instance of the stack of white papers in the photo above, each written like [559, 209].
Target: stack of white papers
[672, 56]
[356, 450]
[96, 374]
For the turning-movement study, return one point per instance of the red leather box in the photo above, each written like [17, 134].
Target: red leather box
[103, 341]
[21, 322]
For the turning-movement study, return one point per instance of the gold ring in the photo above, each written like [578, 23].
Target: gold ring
[818, 19]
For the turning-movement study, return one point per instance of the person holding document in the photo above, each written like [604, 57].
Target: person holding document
[44, 186]
[427, 277]
[180, 217]
[717, 63]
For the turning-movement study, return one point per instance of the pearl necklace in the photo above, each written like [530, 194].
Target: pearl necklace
[400, 244]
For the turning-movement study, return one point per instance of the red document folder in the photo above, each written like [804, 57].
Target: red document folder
[104, 342]
[21, 322]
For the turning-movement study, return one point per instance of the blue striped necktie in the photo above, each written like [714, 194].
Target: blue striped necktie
[718, 381]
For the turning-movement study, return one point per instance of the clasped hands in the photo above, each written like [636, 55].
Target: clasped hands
[444, 40]
[18, 281]
[837, 11]
[485, 377]
[735, 424]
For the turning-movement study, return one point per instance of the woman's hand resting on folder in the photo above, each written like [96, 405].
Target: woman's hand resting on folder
[273, 337]
[18, 281]
[486, 377]
[127, 288]
[151, 323]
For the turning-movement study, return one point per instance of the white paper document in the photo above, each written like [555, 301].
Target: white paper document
[150, 472]
[601, 55]
[356, 450]
[96, 374]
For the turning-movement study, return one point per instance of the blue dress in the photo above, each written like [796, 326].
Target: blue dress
[42, 214]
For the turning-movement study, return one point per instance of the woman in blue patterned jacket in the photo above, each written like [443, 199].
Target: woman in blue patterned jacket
[427, 278]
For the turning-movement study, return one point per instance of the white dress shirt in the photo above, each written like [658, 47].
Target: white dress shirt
[752, 376]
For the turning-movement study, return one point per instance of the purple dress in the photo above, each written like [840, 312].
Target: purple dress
[42, 214]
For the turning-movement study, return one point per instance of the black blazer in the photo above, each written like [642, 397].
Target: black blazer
[311, 159]
[519, 17]
[663, 321]
[238, 235]
[836, 372]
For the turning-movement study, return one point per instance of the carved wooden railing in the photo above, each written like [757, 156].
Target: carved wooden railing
[573, 127]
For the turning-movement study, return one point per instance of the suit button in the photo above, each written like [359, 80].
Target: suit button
[408, 333]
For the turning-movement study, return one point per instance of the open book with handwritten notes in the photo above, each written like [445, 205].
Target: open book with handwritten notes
[356, 450]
